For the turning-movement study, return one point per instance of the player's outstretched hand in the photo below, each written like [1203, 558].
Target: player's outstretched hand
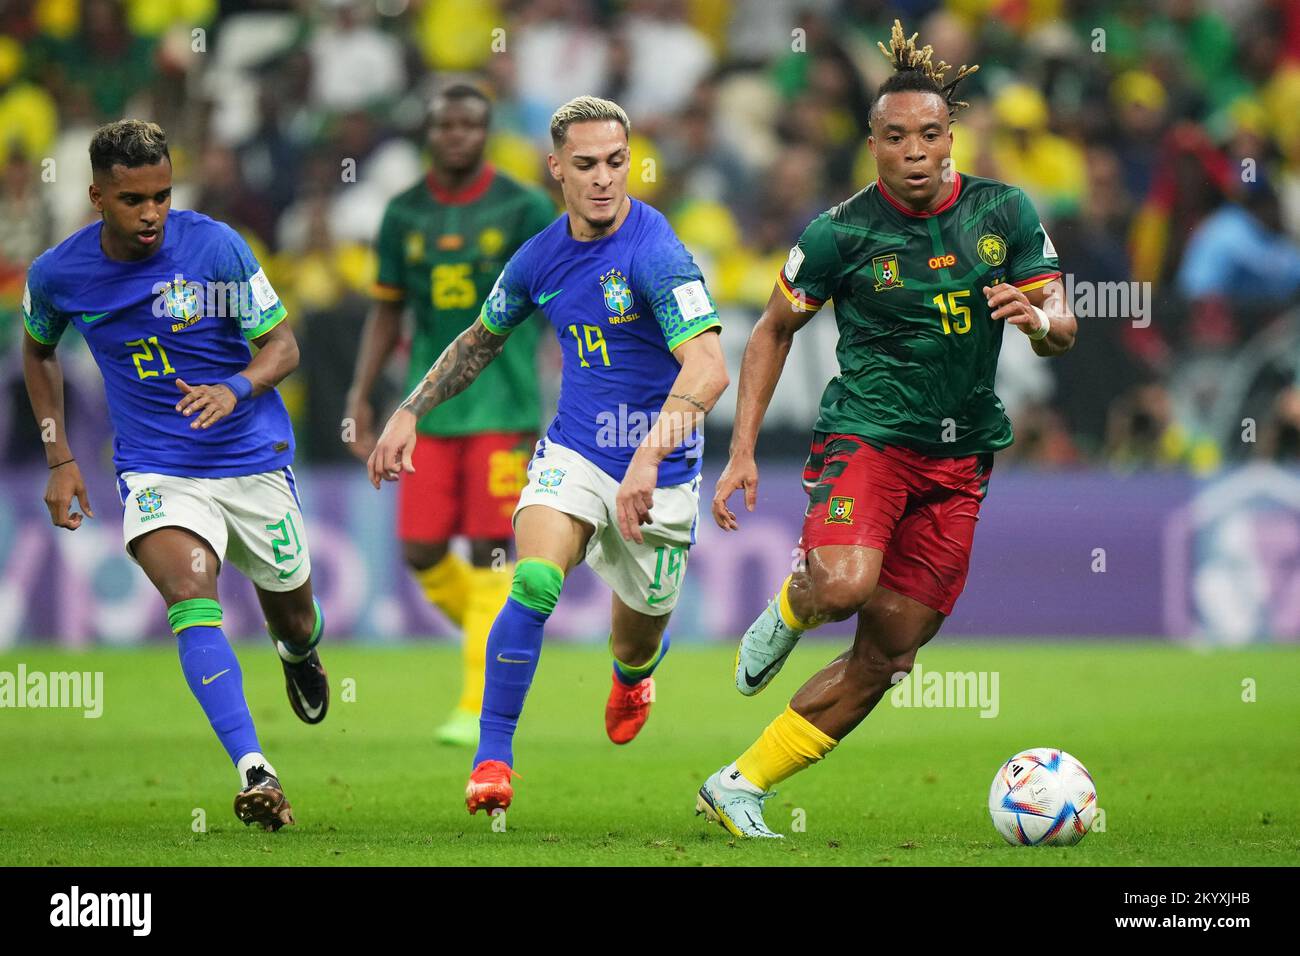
[636, 496]
[741, 472]
[65, 484]
[1008, 302]
[210, 402]
[392, 454]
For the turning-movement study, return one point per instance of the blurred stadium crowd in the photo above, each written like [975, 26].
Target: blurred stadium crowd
[1160, 140]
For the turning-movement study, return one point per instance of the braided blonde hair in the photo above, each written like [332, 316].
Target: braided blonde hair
[904, 54]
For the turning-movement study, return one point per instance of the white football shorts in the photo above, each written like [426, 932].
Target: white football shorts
[253, 520]
[647, 577]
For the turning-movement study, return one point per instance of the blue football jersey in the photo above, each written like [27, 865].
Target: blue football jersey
[187, 311]
[619, 305]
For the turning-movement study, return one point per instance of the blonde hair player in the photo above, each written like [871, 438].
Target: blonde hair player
[615, 480]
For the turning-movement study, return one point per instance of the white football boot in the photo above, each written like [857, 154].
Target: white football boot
[763, 651]
[738, 810]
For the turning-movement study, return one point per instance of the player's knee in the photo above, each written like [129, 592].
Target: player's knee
[186, 589]
[840, 597]
[422, 555]
[536, 584]
[295, 627]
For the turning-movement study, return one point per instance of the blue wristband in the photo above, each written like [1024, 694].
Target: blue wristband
[240, 385]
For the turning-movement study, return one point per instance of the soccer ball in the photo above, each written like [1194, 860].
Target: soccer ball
[1043, 796]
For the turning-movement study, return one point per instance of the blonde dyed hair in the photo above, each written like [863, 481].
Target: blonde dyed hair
[586, 109]
[903, 54]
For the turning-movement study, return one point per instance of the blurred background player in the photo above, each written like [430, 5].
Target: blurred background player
[926, 267]
[202, 465]
[442, 243]
[629, 308]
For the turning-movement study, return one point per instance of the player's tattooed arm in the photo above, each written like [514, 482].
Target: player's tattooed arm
[700, 383]
[690, 400]
[456, 368]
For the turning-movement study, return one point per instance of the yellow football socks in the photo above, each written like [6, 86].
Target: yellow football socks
[446, 585]
[786, 611]
[488, 591]
[789, 744]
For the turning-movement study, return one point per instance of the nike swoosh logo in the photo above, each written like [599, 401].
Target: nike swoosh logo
[209, 680]
[286, 575]
[546, 297]
[507, 660]
[93, 318]
[311, 712]
[652, 600]
[753, 680]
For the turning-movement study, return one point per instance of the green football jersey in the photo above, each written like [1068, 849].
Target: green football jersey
[440, 253]
[917, 350]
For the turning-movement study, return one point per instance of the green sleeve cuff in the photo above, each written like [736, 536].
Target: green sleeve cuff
[488, 324]
[269, 321]
[685, 336]
[37, 335]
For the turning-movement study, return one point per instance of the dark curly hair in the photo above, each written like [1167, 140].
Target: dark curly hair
[128, 143]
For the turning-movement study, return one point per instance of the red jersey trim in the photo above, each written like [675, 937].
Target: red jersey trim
[1035, 282]
[798, 298]
[467, 194]
[946, 204]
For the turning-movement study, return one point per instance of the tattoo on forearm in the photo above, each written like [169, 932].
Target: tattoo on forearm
[456, 369]
[688, 397]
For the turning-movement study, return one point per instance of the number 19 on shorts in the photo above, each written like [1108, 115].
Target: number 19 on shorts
[669, 565]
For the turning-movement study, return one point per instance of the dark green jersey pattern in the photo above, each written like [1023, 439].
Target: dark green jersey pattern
[440, 255]
[917, 350]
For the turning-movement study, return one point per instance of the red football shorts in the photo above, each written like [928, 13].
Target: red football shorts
[920, 511]
[463, 486]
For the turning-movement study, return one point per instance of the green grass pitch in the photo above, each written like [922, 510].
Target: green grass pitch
[1188, 773]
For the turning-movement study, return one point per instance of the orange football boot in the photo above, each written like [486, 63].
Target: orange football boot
[628, 708]
[489, 787]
